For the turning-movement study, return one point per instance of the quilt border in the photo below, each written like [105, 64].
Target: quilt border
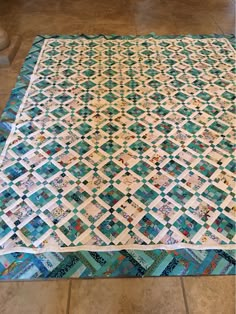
[9, 114]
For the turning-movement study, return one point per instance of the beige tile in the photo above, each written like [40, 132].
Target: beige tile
[26, 44]
[224, 16]
[153, 16]
[25, 6]
[100, 12]
[210, 295]
[161, 26]
[118, 29]
[195, 22]
[30, 18]
[5, 19]
[128, 296]
[7, 7]
[196, 7]
[39, 6]
[3, 100]
[191, 15]
[223, 13]
[35, 297]
[150, 11]
[7, 80]
[215, 5]
[228, 27]
[201, 27]
[45, 23]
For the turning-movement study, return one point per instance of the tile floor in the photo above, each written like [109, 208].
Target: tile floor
[150, 295]
[207, 295]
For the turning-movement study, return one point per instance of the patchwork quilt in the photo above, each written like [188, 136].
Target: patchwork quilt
[122, 143]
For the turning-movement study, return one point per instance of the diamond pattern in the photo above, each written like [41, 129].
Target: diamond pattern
[111, 227]
[111, 196]
[35, 229]
[73, 228]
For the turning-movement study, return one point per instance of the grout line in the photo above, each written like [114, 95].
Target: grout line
[215, 22]
[68, 298]
[219, 27]
[135, 29]
[184, 295]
